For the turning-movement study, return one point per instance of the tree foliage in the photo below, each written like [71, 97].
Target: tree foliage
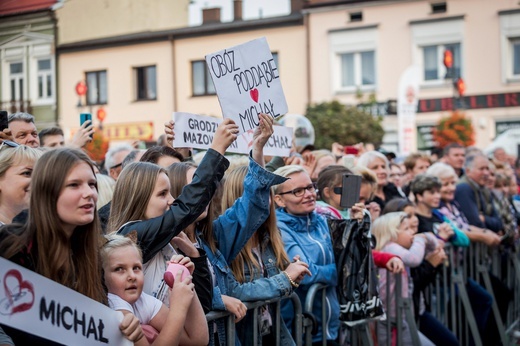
[347, 125]
[455, 128]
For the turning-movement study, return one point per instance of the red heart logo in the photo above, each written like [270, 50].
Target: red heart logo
[17, 297]
[254, 94]
[248, 136]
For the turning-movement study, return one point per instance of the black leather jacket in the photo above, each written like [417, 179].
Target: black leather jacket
[154, 234]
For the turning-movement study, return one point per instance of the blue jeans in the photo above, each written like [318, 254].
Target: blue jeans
[436, 331]
[481, 302]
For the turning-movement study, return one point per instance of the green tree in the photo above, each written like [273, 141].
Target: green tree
[347, 125]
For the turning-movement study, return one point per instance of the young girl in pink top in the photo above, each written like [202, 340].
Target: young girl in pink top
[395, 235]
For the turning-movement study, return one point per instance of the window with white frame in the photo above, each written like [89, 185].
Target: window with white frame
[510, 45]
[353, 54]
[515, 50]
[16, 81]
[44, 79]
[433, 57]
[357, 69]
[430, 40]
[97, 87]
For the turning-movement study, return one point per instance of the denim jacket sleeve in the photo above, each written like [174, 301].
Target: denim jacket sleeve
[154, 234]
[322, 273]
[259, 289]
[237, 224]
[218, 302]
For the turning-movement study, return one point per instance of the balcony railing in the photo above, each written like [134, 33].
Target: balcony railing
[17, 106]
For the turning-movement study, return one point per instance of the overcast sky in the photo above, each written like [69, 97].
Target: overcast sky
[252, 9]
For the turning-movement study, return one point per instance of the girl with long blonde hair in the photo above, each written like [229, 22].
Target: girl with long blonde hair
[262, 268]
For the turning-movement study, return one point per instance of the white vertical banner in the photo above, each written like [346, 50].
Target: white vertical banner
[407, 109]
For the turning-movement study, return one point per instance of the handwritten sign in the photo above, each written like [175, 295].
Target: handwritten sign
[197, 131]
[247, 83]
[39, 306]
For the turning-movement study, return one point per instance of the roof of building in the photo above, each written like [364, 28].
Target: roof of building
[13, 7]
[194, 31]
[325, 3]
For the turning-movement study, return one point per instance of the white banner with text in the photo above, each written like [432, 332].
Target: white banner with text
[39, 306]
[197, 131]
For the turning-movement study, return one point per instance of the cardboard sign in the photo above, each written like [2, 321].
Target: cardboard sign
[39, 306]
[197, 131]
[247, 83]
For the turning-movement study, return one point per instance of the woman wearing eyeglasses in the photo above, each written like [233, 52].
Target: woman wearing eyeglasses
[16, 166]
[306, 234]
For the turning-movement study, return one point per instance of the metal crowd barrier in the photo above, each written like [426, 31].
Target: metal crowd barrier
[403, 310]
[450, 302]
[309, 302]
[503, 263]
[277, 320]
[449, 298]
[357, 335]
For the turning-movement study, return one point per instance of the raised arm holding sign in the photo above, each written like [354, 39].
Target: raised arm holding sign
[247, 83]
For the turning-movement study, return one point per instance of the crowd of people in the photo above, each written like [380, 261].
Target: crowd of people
[245, 228]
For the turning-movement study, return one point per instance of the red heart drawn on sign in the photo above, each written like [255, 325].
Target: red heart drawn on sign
[248, 137]
[18, 299]
[254, 94]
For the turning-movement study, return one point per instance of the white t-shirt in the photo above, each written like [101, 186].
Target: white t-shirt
[145, 308]
[153, 271]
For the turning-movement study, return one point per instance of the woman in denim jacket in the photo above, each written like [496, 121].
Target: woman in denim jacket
[306, 234]
[231, 230]
[260, 271]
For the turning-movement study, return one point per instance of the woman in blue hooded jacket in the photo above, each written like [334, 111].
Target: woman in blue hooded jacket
[306, 234]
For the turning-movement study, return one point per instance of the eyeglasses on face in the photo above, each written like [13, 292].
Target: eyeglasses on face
[8, 144]
[300, 191]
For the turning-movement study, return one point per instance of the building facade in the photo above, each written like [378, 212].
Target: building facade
[364, 47]
[28, 60]
[141, 63]
[140, 79]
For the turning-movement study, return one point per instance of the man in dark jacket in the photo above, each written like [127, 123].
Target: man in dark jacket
[474, 197]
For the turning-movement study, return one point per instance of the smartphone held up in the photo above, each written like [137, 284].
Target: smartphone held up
[84, 117]
[349, 191]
